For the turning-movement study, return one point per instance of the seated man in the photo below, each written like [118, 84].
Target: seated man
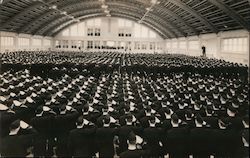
[15, 144]
[104, 139]
[132, 151]
[81, 139]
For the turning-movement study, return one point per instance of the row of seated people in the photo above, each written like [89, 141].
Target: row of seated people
[149, 101]
[86, 139]
[46, 61]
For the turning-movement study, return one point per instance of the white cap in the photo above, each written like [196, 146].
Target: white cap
[2, 98]
[112, 120]
[78, 96]
[5, 81]
[11, 87]
[29, 99]
[3, 107]
[49, 80]
[17, 103]
[68, 108]
[75, 100]
[84, 86]
[132, 104]
[26, 71]
[54, 84]
[53, 100]
[43, 90]
[81, 77]
[69, 86]
[59, 94]
[85, 122]
[97, 95]
[22, 92]
[23, 125]
[12, 94]
[3, 90]
[139, 140]
[34, 94]
[130, 97]
[46, 108]
[114, 102]
[95, 101]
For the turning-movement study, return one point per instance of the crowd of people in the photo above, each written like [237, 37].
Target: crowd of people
[66, 104]
[45, 61]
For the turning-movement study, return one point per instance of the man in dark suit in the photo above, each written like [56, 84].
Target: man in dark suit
[201, 138]
[177, 138]
[125, 130]
[81, 142]
[15, 145]
[43, 123]
[7, 116]
[154, 137]
[63, 123]
[132, 151]
[104, 139]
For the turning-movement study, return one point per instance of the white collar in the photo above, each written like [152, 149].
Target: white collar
[14, 132]
[221, 127]
[246, 144]
[129, 123]
[231, 114]
[198, 124]
[168, 116]
[105, 125]
[151, 125]
[131, 147]
[175, 124]
[245, 125]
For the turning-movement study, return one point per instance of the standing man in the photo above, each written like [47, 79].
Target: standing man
[203, 51]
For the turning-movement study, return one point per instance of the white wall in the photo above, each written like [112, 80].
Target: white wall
[213, 44]
[109, 32]
[17, 47]
[211, 41]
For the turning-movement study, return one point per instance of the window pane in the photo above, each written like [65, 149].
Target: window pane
[137, 30]
[144, 32]
[152, 34]
[73, 30]
[121, 22]
[128, 23]
[97, 22]
[65, 32]
[90, 22]
[81, 29]
[37, 42]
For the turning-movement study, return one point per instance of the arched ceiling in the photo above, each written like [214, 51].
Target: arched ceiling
[170, 18]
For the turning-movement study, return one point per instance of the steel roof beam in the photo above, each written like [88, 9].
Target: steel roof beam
[185, 7]
[48, 29]
[231, 13]
[163, 35]
[64, 8]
